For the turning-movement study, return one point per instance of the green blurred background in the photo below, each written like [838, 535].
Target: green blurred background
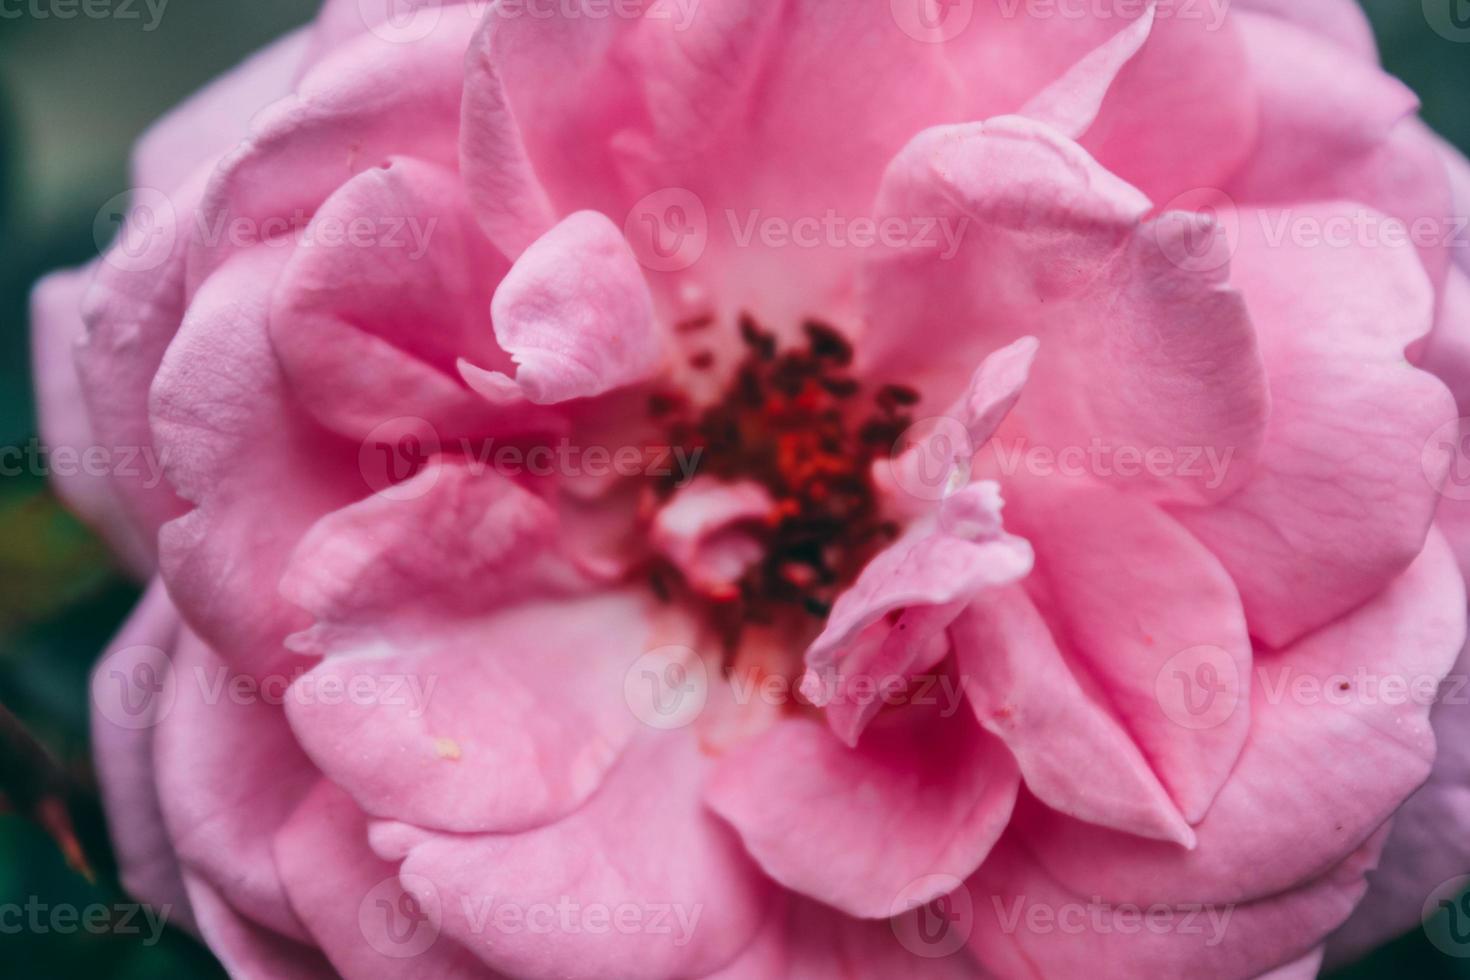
[74, 94]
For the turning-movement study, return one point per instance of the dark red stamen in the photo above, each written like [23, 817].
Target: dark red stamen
[827, 344]
[893, 396]
[789, 421]
[764, 344]
[662, 405]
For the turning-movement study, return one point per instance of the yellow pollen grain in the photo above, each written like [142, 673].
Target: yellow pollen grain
[447, 748]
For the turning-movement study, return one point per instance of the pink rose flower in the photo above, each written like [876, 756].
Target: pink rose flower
[751, 489]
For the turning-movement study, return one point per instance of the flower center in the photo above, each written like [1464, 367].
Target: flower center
[794, 421]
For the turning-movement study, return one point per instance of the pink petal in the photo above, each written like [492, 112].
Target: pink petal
[450, 542]
[497, 726]
[1446, 353]
[1006, 58]
[351, 900]
[749, 114]
[368, 100]
[126, 704]
[369, 329]
[56, 329]
[710, 110]
[1028, 924]
[804, 940]
[1139, 351]
[1182, 113]
[927, 793]
[699, 530]
[530, 137]
[258, 471]
[1073, 753]
[1131, 592]
[644, 843]
[575, 314]
[1459, 174]
[135, 301]
[1071, 103]
[1427, 846]
[507, 707]
[1321, 105]
[1332, 752]
[1341, 21]
[247, 950]
[1341, 499]
[995, 388]
[132, 308]
[1303, 969]
[1162, 65]
[1336, 127]
[928, 577]
[229, 773]
[937, 456]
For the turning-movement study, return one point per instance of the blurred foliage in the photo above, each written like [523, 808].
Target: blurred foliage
[73, 96]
